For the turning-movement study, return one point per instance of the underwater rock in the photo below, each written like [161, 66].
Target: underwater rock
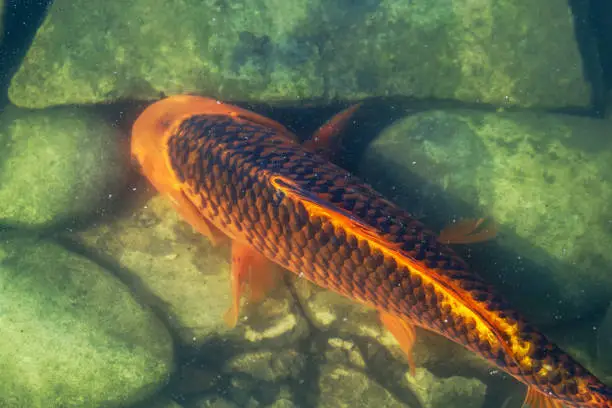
[345, 387]
[58, 165]
[177, 271]
[342, 387]
[447, 392]
[262, 379]
[158, 401]
[245, 382]
[544, 178]
[168, 266]
[283, 403]
[268, 365]
[335, 367]
[520, 53]
[73, 335]
[214, 402]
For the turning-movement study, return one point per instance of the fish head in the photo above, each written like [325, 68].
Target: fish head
[161, 120]
[154, 127]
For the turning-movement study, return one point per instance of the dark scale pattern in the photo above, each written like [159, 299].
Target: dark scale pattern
[228, 163]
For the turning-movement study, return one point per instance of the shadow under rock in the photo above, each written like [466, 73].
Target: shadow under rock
[305, 116]
[600, 16]
[21, 21]
[589, 35]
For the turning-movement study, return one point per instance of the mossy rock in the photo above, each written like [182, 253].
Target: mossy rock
[507, 52]
[58, 166]
[72, 334]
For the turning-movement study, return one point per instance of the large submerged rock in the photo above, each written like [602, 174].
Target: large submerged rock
[58, 165]
[72, 334]
[501, 52]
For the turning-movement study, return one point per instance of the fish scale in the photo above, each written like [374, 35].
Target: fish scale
[227, 165]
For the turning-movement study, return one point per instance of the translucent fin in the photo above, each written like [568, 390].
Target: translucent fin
[249, 269]
[324, 141]
[263, 278]
[535, 399]
[468, 231]
[404, 333]
[192, 215]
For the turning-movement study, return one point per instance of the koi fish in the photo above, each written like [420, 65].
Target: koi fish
[237, 176]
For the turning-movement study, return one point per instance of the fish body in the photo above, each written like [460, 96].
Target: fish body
[235, 174]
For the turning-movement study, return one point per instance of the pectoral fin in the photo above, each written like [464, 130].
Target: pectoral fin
[468, 231]
[192, 215]
[250, 270]
[404, 333]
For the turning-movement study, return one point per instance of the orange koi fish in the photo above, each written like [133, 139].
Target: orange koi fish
[233, 174]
